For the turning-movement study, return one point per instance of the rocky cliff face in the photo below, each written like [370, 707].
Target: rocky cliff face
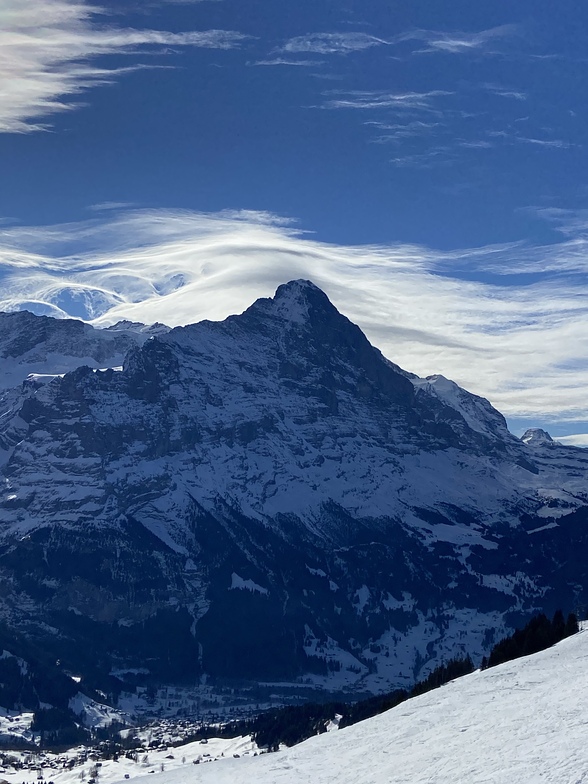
[269, 498]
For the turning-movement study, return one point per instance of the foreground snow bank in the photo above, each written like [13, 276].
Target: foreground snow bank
[524, 721]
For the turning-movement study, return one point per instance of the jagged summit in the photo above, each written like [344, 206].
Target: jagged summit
[297, 302]
[535, 436]
[299, 288]
[125, 325]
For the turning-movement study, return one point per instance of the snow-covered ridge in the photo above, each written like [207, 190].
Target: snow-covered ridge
[46, 347]
[476, 411]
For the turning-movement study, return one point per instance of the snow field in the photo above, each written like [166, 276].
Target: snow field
[53, 767]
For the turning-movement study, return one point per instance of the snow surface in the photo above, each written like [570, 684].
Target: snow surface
[15, 726]
[476, 411]
[80, 764]
[238, 583]
[524, 721]
[95, 714]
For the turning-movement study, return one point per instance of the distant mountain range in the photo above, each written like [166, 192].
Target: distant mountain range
[268, 499]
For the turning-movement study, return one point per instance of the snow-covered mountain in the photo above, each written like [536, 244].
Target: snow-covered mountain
[523, 721]
[269, 499]
[41, 347]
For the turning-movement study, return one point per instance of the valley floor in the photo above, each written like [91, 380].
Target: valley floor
[525, 721]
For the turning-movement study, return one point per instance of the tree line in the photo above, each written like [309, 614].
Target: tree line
[538, 635]
[295, 723]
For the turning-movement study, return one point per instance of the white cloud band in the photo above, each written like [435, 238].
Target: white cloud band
[522, 345]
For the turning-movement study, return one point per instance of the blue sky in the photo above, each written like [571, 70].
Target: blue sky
[423, 161]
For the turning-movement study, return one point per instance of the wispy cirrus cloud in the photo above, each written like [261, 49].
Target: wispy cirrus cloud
[558, 144]
[49, 51]
[569, 223]
[103, 206]
[434, 128]
[439, 155]
[458, 42]
[522, 342]
[517, 138]
[476, 144]
[332, 43]
[505, 92]
[397, 133]
[288, 61]
[367, 99]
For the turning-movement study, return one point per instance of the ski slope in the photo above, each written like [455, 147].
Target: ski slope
[523, 722]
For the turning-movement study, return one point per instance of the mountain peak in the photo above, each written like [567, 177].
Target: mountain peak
[294, 300]
[298, 287]
[536, 437]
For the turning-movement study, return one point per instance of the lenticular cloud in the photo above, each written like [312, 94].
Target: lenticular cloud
[522, 346]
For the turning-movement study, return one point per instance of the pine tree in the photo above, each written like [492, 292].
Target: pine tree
[571, 626]
[559, 626]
